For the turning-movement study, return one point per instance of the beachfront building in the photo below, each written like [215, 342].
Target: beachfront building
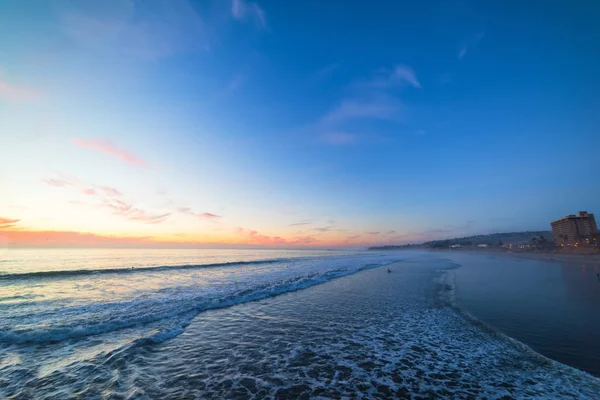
[575, 230]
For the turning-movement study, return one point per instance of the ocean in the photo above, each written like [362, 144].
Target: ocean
[120, 323]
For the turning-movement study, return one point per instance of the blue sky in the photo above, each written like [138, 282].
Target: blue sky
[304, 124]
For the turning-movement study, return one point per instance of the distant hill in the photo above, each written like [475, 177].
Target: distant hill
[493, 240]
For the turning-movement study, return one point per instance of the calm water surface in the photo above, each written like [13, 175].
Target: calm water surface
[554, 307]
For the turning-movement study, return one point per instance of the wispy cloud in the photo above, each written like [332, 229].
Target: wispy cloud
[372, 99]
[14, 93]
[242, 10]
[252, 236]
[127, 210]
[392, 232]
[374, 233]
[469, 44]
[109, 191]
[108, 198]
[338, 138]
[375, 107]
[7, 222]
[323, 73]
[146, 29]
[204, 215]
[303, 240]
[107, 147]
[329, 228]
[306, 222]
[235, 83]
[57, 182]
[384, 78]
[89, 192]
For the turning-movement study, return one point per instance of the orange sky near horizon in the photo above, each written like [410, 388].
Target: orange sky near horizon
[12, 235]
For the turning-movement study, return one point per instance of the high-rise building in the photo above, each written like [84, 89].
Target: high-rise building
[574, 230]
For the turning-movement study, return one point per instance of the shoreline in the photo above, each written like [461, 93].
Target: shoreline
[556, 257]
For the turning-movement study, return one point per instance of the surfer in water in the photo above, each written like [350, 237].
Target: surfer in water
[389, 271]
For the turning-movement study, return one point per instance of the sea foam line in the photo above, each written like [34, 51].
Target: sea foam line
[184, 315]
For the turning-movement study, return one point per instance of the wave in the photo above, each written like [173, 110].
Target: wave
[132, 270]
[174, 313]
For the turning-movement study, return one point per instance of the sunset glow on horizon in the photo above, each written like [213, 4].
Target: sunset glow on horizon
[239, 124]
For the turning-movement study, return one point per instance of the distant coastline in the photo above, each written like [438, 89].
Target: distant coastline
[531, 244]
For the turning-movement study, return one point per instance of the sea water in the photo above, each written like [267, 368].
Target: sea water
[253, 324]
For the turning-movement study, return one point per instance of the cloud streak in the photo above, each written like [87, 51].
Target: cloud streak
[398, 76]
[108, 198]
[338, 138]
[243, 10]
[256, 238]
[148, 29]
[7, 222]
[14, 93]
[57, 182]
[467, 45]
[307, 222]
[204, 215]
[107, 147]
[378, 107]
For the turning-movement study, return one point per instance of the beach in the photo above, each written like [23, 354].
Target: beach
[362, 333]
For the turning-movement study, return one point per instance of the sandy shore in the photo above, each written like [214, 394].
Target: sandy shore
[593, 258]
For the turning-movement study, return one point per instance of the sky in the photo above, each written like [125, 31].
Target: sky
[182, 123]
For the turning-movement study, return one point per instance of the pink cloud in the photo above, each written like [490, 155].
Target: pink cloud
[57, 182]
[89, 192]
[110, 199]
[205, 215]
[209, 216]
[7, 222]
[111, 191]
[374, 233]
[107, 147]
[11, 92]
[304, 240]
[253, 237]
[127, 210]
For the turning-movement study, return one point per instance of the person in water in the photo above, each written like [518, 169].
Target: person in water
[389, 270]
